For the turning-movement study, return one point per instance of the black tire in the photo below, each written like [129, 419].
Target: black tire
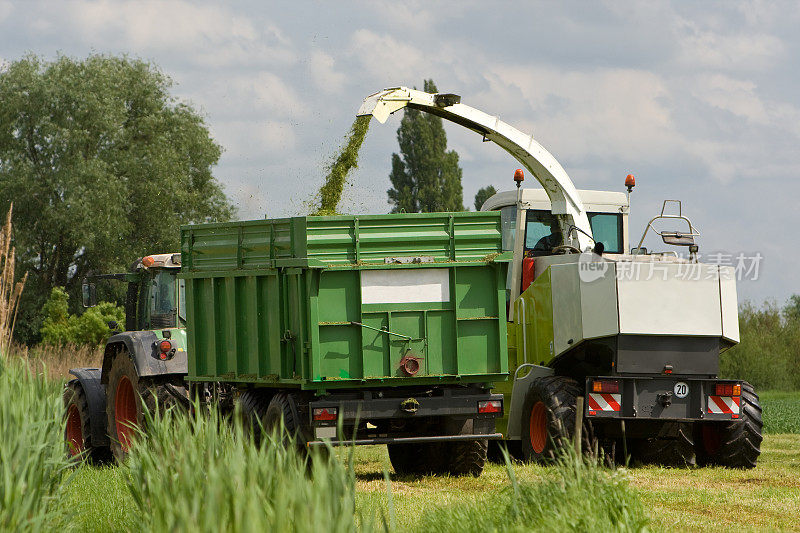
[496, 449]
[137, 395]
[734, 444]
[548, 419]
[268, 413]
[678, 450]
[253, 406]
[77, 429]
[417, 459]
[466, 458]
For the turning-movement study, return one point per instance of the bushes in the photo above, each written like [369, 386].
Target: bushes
[32, 456]
[59, 327]
[768, 355]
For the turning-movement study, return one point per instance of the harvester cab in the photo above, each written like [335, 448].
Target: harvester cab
[614, 346]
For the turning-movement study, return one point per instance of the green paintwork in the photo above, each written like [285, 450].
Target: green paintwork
[272, 301]
[536, 346]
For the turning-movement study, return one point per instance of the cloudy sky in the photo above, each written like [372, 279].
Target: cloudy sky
[699, 100]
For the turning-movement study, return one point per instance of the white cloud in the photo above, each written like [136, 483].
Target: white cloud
[702, 47]
[6, 8]
[208, 34]
[603, 112]
[325, 76]
[252, 96]
[387, 58]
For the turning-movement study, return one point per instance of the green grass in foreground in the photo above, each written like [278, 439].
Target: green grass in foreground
[703, 499]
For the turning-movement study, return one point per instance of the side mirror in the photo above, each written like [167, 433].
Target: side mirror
[639, 251]
[89, 294]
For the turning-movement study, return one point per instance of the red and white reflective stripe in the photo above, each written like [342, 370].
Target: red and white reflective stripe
[604, 402]
[723, 405]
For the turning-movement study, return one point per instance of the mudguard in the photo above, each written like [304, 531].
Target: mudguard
[518, 393]
[142, 347]
[95, 391]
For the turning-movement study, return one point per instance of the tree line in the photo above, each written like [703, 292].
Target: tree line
[103, 165]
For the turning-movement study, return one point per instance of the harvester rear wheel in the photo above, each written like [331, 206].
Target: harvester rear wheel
[128, 395]
[77, 430]
[677, 450]
[548, 419]
[734, 444]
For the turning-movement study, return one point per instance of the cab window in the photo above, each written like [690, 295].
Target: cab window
[162, 300]
[542, 233]
[607, 228]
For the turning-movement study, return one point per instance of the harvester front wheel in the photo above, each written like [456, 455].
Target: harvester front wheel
[734, 444]
[548, 419]
[77, 430]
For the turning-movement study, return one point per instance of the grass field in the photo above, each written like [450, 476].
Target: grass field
[201, 475]
[766, 498]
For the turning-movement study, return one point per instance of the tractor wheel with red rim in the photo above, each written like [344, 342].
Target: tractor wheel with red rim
[77, 426]
[128, 396]
[733, 444]
[548, 419]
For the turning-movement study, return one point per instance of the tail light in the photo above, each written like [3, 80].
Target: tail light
[325, 414]
[490, 406]
[728, 389]
[609, 386]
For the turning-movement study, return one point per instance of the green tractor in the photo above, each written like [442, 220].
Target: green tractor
[146, 363]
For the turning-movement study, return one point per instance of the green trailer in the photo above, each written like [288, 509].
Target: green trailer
[387, 329]
[389, 326]
[328, 303]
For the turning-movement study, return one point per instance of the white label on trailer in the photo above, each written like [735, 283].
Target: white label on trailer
[407, 285]
[681, 389]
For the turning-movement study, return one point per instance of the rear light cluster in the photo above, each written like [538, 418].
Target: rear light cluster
[728, 389]
[490, 406]
[325, 414]
[609, 386]
[165, 350]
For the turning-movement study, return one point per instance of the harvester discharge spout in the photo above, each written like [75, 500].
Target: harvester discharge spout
[524, 148]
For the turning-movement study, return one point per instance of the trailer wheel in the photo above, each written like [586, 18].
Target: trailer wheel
[734, 444]
[265, 412]
[677, 450]
[467, 458]
[548, 419]
[77, 429]
[128, 395]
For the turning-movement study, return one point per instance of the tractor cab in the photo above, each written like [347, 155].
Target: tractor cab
[155, 296]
